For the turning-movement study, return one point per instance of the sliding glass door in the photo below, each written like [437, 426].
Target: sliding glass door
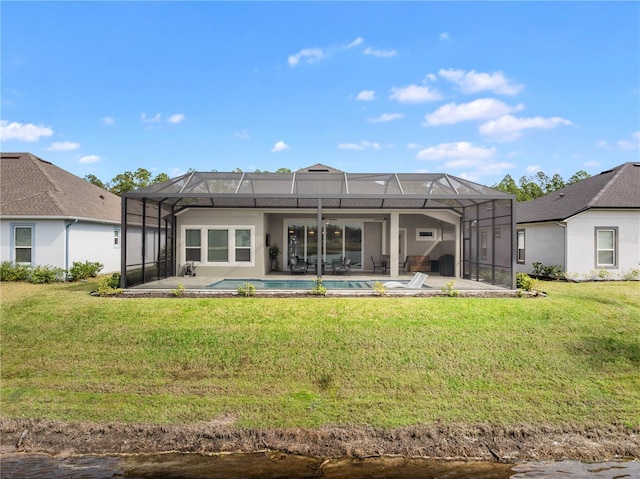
[339, 239]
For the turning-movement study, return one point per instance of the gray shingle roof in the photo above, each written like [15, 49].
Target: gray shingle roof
[618, 187]
[30, 186]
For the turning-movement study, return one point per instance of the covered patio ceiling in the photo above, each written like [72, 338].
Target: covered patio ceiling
[303, 189]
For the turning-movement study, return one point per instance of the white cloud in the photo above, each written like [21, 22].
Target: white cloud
[243, 135]
[89, 159]
[108, 120]
[380, 53]
[481, 109]
[474, 82]
[366, 95]
[462, 150]
[490, 168]
[591, 164]
[355, 43]
[414, 146]
[533, 168]
[154, 119]
[634, 144]
[308, 55]
[23, 132]
[63, 146]
[414, 94]
[508, 127]
[177, 118]
[280, 146]
[385, 117]
[444, 36]
[363, 145]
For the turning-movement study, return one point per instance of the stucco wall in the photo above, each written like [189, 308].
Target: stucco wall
[544, 243]
[87, 242]
[581, 243]
[231, 217]
[94, 242]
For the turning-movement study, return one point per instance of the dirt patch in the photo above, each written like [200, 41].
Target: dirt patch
[456, 441]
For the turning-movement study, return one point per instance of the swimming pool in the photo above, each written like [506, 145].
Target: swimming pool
[292, 284]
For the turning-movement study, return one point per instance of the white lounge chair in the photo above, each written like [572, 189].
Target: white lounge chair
[414, 283]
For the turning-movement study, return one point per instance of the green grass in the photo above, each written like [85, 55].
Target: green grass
[570, 358]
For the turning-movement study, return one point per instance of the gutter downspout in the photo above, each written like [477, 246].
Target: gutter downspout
[564, 226]
[66, 247]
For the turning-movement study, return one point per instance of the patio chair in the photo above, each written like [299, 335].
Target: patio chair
[414, 283]
[342, 267]
[297, 266]
[381, 265]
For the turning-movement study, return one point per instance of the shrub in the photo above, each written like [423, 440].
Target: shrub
[552, 272]
[319, 289]
[449, 290]
[247, 290]
[109, 285]
[10, 271]
[179, 291]
[114, 280]
[80, 271]
[524, 281]
[631, 275]
[379, 288]
[46, 274]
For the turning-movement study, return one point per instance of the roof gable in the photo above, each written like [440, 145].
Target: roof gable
[614, 188]
[34, 187]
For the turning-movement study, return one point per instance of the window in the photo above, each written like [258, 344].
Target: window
[426, 234]
[606, 247]
[116, 237]
[520, 257]
[23, 244]
[483, 245]
[192, 243]
[222, 245]
[218, 246]
[243, 246]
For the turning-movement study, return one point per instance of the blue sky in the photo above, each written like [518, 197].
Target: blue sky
[478, 90]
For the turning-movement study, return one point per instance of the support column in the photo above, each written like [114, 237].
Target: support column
[394, 244]
[458, 256]
[320, 240]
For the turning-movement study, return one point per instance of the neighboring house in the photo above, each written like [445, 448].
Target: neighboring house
[592, 225]
[51, 217]
[225, 223]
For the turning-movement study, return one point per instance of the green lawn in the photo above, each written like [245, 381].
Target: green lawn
[570, 358]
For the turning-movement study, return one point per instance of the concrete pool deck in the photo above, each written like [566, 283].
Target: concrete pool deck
[199, 286]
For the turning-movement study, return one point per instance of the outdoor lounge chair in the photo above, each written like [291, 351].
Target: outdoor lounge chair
[415, 283]
[297, 266]
[342, 267]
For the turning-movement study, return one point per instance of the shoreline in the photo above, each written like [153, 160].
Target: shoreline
[475, 442]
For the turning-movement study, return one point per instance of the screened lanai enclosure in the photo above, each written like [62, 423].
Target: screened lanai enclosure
[250, 225]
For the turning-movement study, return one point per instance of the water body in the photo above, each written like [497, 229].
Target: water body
[280, 466]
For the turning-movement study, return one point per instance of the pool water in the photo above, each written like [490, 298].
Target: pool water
[291, 284]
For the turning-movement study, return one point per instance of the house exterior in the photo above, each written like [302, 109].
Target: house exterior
[226, 224]
[49, 216]
[590, 228]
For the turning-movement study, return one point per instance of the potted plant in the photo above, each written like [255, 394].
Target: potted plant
[274, 251]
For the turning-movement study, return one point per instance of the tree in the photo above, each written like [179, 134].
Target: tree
[578, 176]
[94, 180]
[530, 188]
[128, 181]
